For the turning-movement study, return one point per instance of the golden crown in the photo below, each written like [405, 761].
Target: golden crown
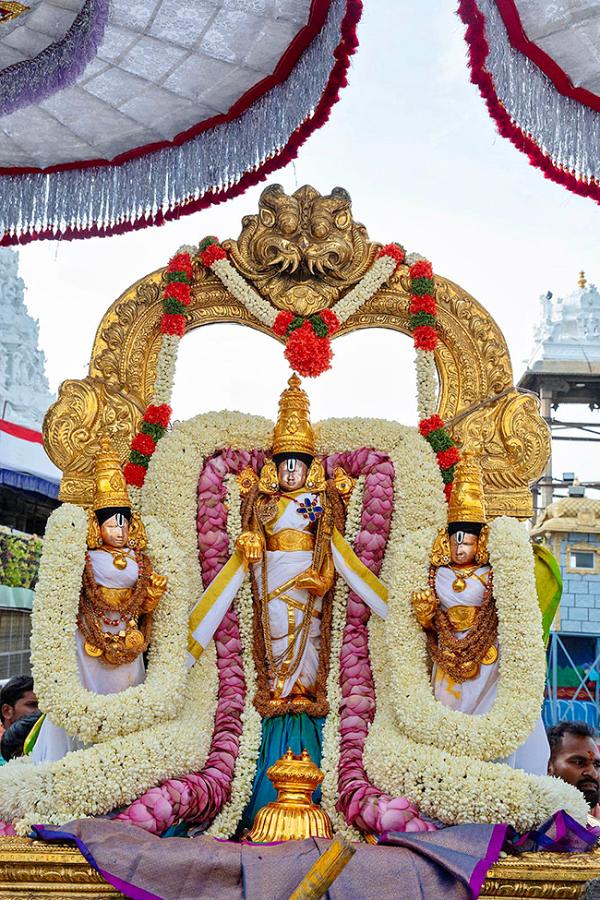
[293, 432]
[111, 488]
[467, 503]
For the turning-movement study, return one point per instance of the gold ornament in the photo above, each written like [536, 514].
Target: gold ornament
[466, 500]
[490, 656]
[440, 552]
[482, 557]
[293, 816]
[315, 477]
[268, 482]
[119, 557]
[343, 483]
[293, 432]
[246, 480]
[425, 604]
[92, 650]
[462, 575]
[111, 489]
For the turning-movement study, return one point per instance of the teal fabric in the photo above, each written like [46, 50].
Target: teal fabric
[15, 597]
[296, 731]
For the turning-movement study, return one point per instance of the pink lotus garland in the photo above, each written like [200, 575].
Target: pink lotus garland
[362, 804]
[199, 797]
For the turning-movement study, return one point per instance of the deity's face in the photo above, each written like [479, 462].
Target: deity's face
[115, 531]
[291, 474]
[463, 548]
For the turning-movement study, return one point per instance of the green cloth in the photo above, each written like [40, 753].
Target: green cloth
[548, 583]
[15, 597]
[294, 731]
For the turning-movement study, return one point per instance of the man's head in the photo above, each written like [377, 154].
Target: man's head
[574, 757]
[114, 525]
[292, 469]
[464, 542]
[17, 699]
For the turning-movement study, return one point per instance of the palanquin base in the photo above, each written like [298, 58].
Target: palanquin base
[30, 870]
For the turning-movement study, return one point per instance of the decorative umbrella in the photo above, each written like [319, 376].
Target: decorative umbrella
[119, 114]
[537, 65]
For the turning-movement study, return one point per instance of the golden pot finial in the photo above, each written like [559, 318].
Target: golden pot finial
[293, 816]
[293, 432]
[582, 281]
[467, 503]
[111, 488]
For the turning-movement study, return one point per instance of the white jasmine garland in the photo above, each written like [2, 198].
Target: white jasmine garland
[81, 712]
[114, 772]
[380, 272]
[226, 823]
[165, 369]
[239, 288]
[330, 757]
[427, 387]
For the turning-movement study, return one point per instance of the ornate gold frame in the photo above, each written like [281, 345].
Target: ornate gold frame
[477, 395]
[31, 870]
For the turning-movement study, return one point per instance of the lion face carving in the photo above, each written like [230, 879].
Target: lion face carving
[302, 251]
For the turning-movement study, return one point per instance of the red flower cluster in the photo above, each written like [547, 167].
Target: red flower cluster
[448, 491]
[212, 253]
[396, 251]
[426, 303]
[425, 337]
[181, 262]
[330, 319]
[178, 290]
[158, 415]
[421, 269]
[306, 353]
[144, 444]
[431, 424]
[282, 322]
[134, 474]
[447, 458]
[172, 324]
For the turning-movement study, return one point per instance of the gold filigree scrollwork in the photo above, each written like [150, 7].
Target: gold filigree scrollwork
[302, 253]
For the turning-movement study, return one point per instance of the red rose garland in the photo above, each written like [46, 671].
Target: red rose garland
[176, 297]
[423, 324]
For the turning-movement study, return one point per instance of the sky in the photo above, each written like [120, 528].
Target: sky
[412, 142]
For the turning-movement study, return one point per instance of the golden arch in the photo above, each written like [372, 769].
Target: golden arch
[477, 396]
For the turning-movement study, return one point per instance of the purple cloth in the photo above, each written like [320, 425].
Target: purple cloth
[560, 834]
[451, 863]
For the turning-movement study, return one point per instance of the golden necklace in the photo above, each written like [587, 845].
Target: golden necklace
[462, 575]
[119, 556]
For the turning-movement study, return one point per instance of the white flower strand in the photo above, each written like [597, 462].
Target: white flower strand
[380, 272]
[427, 385]
[239, 288]
[330, 759]
[225, 825]
[165, 369]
